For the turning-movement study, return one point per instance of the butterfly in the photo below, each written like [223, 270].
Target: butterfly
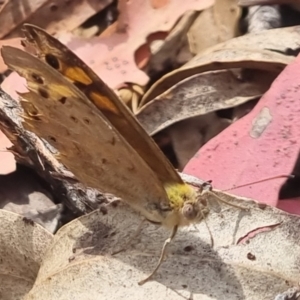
[98, 139]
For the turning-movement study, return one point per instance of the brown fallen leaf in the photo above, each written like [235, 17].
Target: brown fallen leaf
[188, 136]
[247, 51]
[54, 16]
[117, 63]
[22, 247]
[255, 255]
[30, 199]
[221, 23]
[198, 95]
[14, 12]
[167, 54]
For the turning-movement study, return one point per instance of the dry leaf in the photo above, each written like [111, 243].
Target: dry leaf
[52, 15]
[14, 12]
[30, 199]
[188, 136]
[267, 2]
[247, 51]
[246, 261]
[263, 144]
[166, 55]
[198, 95]
[22, 247]
[263, 17]
[221, 23]
[117, 48]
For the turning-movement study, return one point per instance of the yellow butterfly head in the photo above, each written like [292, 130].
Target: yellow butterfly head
[188, 205]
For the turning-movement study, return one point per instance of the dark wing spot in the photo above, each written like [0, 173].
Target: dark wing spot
[53, 139]
[86, 121]
[53, 7]
[37, 78]
[74, 119]
[52, 61]
[43, 93]
[63, 100]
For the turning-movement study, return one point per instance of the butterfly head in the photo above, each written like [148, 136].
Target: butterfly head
[188, 205]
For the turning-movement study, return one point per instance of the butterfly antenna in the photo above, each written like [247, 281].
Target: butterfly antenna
[261, 180]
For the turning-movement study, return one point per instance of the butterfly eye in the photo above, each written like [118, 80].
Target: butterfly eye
[189, 211]
[52, 61]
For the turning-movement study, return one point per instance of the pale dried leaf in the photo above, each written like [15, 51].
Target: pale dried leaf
[266, 2]
[263, 17]
[14, 12]
[198, 95]
[233, 54]
[221, 23]
[55, 16]
[256, 255]
[188, 136]
[22, 247]
[117, 63]
[166, 54]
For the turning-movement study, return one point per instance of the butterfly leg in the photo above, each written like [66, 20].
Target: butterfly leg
[162, 255]
[137, 232]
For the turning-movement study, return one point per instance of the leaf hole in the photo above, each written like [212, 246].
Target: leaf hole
[188, 248]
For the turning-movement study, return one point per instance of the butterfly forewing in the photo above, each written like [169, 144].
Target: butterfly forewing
[67, 63]
[88, 145]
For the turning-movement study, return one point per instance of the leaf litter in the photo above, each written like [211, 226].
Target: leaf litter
[255, 253]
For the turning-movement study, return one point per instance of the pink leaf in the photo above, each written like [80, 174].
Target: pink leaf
[263, 144]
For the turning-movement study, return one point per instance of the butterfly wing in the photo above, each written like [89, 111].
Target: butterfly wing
[88, 145]
[67, 63]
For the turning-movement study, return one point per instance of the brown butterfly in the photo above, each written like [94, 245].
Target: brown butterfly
[98, 138]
